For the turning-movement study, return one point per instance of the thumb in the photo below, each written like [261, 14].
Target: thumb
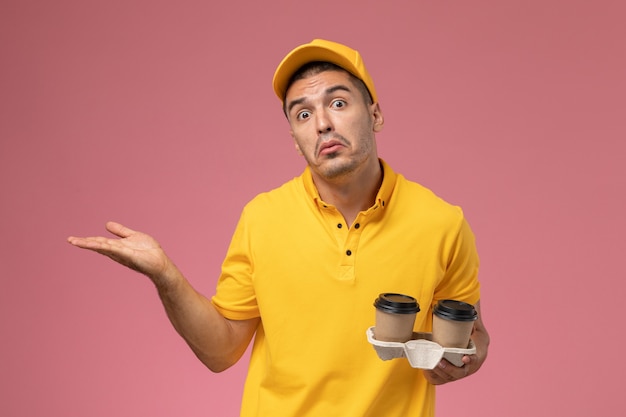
[119, 230]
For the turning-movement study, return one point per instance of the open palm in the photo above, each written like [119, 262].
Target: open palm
[132, 249]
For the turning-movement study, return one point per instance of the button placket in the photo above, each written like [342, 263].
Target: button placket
[351, 244]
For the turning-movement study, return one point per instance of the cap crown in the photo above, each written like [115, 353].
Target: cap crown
[326, 51]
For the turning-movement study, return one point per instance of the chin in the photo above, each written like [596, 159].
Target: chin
[336, 169]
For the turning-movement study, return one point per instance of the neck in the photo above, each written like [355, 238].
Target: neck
[352, 193]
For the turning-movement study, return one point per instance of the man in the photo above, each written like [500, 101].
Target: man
[308, 259]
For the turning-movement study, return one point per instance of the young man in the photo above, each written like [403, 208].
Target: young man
[308, 259]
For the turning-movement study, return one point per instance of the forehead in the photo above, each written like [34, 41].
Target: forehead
[318, 83]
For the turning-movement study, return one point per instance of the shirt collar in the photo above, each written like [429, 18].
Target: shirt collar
[382, 197]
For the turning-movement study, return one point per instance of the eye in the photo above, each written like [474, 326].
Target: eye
[338, 104]
[303, 115]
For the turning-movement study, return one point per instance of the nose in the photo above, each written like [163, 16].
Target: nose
[324, 124]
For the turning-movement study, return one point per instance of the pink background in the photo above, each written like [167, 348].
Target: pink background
[161, 115]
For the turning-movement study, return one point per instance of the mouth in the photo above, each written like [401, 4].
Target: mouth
[330, 147]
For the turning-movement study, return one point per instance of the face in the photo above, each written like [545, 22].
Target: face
[332, 124]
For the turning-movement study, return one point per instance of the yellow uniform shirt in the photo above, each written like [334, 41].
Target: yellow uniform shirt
[313, 280]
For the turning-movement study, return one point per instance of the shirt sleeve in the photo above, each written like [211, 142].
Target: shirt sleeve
[235, 297]
[460, 280]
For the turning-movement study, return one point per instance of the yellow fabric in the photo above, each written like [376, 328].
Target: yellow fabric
[321, 50]
[289, 263]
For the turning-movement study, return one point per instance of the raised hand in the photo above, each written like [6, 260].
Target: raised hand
[135, 250]
[217, 341]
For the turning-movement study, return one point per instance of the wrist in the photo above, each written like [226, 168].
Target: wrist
[168, 280]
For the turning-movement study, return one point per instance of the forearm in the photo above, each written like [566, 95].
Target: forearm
[481, 339]
[216, 341]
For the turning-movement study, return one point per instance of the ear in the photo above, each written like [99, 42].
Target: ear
[377, 115]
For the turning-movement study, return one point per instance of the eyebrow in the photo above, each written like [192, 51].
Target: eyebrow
[330, 90]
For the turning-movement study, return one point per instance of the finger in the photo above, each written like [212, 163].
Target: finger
[450, 372]
[81, 242]
[433, 378]
[470, 361]
[443, 371]
[93, 243]
[119, 230]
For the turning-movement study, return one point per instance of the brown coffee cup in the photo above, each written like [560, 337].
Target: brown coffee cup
[395, 317]
[453, 322]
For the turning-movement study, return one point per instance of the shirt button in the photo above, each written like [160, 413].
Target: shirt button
[339, 225]
[348, 252]
[356, 226]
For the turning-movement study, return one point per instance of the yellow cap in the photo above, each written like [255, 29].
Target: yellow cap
[326, 51]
